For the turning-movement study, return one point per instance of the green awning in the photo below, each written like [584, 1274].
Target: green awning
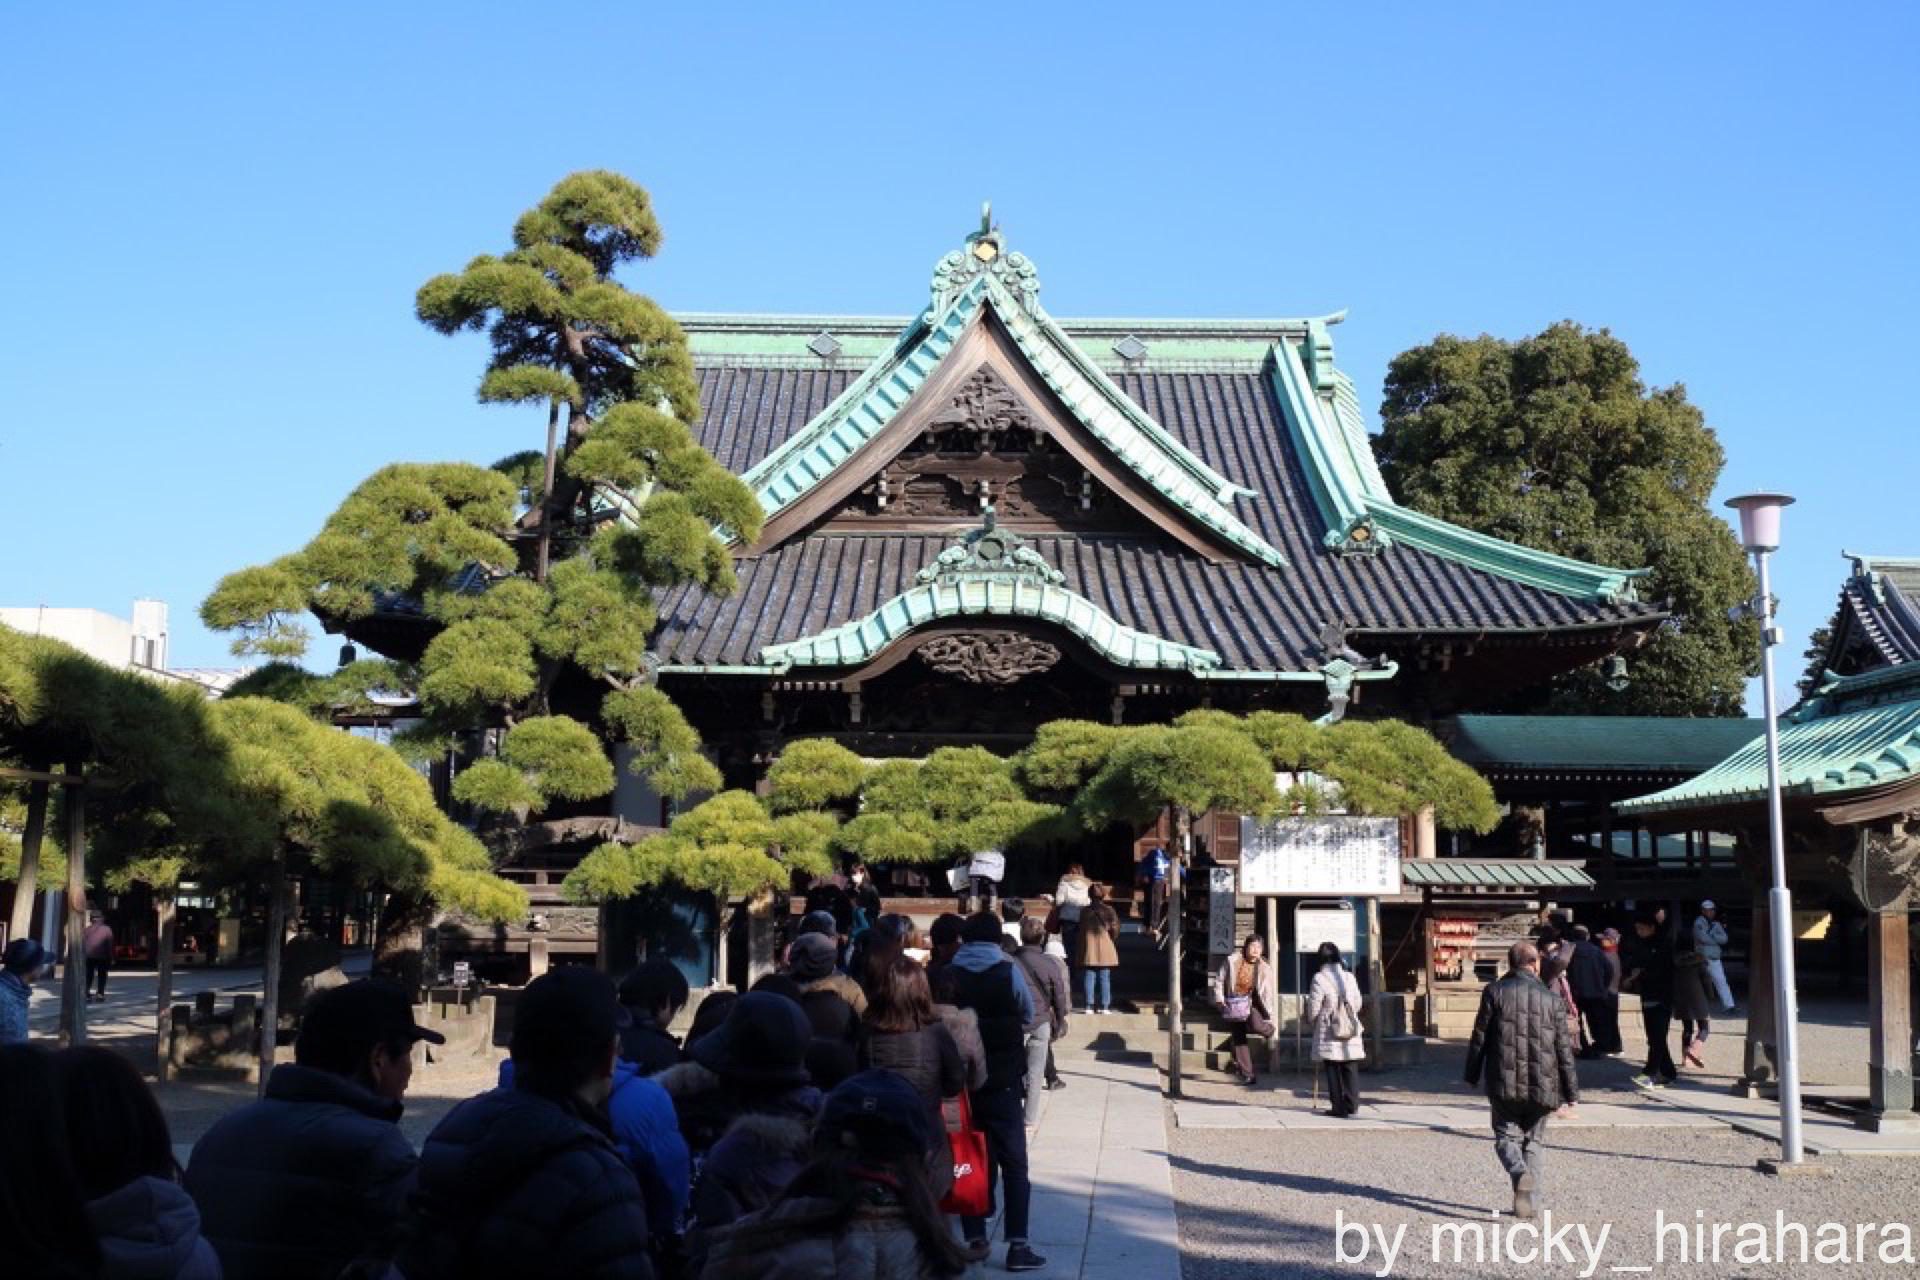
[1493, 875]
[1859, 733]
[1599, 744]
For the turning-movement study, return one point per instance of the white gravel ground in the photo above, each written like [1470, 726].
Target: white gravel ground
[1255, 1205]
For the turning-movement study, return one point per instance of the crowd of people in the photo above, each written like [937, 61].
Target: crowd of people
[1559, 1002]
[802, 1128]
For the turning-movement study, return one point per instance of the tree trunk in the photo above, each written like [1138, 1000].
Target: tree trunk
[1176, 908]
[546, 493]
[400, 942]
[21, 925]
[723, 927]
[73, 990]
[163, 899]
[270, 995]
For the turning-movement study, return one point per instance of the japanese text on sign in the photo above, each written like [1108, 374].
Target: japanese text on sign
[1335, 856]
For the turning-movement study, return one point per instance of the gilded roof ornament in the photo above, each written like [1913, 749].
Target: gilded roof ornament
[985, 254]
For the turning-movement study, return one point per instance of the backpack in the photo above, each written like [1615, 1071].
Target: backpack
[1345, 1024]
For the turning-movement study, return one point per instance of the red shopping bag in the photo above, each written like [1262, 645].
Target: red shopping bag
[972, 1194]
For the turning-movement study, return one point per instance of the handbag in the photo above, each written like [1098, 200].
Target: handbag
[1237, 1008]
[972, 1194]
[958, 879]
[1346, 1026]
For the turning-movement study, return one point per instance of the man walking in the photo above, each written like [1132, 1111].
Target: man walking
[1587, 976]
[1523, 1047]
[1710, 940]
[1649, 972]
[993, 985]
[96, 944]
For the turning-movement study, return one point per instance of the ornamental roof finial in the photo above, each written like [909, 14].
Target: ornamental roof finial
[985, 254]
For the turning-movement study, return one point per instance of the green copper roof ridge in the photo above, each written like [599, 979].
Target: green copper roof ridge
[1193, 497]
[861, 639]
[1560, 574]
[918, 337]
[1351, 495]
[1251, 328]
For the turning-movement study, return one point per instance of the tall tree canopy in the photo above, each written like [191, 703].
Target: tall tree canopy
[537, 575]
[1553, 442]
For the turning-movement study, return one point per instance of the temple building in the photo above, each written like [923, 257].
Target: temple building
[981, 518]
[1850, 787]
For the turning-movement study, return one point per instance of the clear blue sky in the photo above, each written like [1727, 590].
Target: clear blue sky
[216, 216]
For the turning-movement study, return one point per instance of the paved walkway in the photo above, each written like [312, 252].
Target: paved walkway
[1102, 1185]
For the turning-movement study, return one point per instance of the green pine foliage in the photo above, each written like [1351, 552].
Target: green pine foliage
[814, 773]
[527, 591]
[1554, 442]
[729, 846]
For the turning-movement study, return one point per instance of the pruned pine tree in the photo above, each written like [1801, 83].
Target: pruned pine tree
[537, 575]
[729, 845]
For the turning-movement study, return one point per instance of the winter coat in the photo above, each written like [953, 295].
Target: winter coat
[516, 1184]
[1071, 896]
[649, 1046]
[1266, 986]
[1047, 981]
[1332, 986]
[753, 1162]
[15, 996]
[831, 1057]
[964, 1027]
[1612, 956]
[1588, 973]
[1522, 1046]
[994, 994]
[1709, 937]
[97, 942]
[1693, 994]
[930, 1061]
[703, 1108]
[844, 987]
[876, 1243]
[647, 1132]
[1649, 969]
[1099, 926]
[304, 1181]
[150, 1230]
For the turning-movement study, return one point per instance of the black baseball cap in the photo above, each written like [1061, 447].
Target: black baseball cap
[879, 1100]
[371, 1009]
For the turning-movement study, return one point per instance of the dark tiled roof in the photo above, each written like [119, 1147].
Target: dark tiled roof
[1884, 608]
[1254, 617]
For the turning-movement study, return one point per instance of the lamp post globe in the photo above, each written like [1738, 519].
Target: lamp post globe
[1760, 519]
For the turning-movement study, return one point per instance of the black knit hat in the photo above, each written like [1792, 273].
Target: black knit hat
[763, 1041]
[881, 1109]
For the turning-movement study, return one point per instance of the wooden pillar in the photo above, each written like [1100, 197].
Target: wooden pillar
[1759, 1067]
[73, 990]
[1426, 961]
[1890, 1022]
[21, 924]
[1425, 843]
[1273, 958]
[1376, 984]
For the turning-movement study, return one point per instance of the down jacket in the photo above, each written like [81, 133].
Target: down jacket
[875, 1244]
[306, 1180]
[1522, 1046]
[1047, 980]
[514, 1184]
[149, 1230]
[760, 1153]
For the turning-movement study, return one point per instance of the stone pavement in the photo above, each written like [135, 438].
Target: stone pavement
[1102, 1184]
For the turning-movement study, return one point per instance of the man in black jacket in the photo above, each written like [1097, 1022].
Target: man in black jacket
[525, 1180]
[1588, 977]
[991, 984]
[1047, 981]
[1648, 965]
[652, 994]
[1522, 1045]
[314, 1176]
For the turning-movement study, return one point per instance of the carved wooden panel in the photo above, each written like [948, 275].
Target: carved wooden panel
[986, 446]
[989, 657]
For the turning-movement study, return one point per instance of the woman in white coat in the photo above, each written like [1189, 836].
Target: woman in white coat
[1333, 1007]
[1246, 993]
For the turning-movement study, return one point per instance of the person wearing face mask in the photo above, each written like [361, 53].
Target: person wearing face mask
[526, 1180]
[314, 1176]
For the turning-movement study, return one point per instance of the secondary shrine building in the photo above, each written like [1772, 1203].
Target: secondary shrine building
[981, 518]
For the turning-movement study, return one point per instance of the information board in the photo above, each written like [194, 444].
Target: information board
[1220, 939]
[1320, 922]
[1327, 856]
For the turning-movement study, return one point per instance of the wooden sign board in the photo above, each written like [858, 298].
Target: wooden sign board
[1220, 939]
[1320, 857]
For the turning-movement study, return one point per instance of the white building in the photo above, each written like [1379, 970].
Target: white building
[127, 644]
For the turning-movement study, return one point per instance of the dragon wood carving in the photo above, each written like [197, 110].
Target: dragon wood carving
[989, 657]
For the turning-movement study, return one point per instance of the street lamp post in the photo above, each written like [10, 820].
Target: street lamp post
[1760, 535]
